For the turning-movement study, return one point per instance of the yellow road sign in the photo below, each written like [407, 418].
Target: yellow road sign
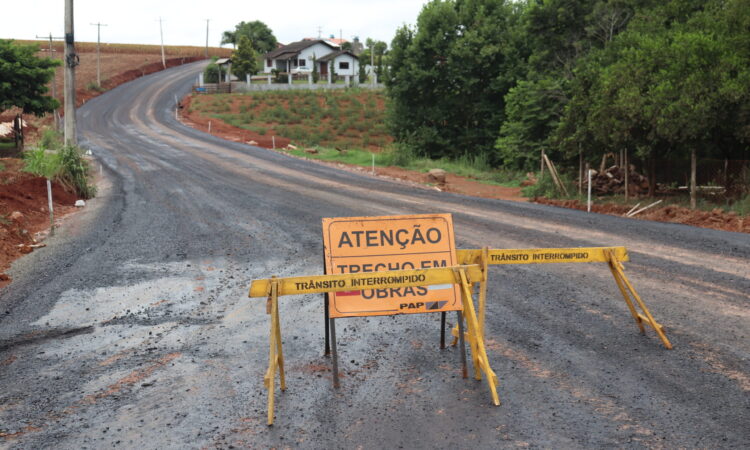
[374, 244]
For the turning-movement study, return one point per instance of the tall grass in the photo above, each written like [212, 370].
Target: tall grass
[402, 156]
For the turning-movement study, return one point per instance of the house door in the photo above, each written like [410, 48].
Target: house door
[324, 69]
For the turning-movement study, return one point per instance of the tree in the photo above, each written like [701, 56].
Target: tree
[449, 77]
[245, 59]
[258, 32]
[212, 73]
[24, 78]
[315, 69]
[362, 73]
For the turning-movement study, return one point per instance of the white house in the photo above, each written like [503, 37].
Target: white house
[297, 57]
[343, 62]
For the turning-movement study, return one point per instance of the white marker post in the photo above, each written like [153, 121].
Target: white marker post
[209, 127]
[51, 212]
[373, 163]
[273, 140]
[588, 207]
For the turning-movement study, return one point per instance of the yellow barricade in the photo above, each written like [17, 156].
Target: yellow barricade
[613, 256]
[463, 275]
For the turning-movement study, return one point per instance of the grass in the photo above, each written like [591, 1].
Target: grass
[475, 168]
[352, 120]
[64, 164]
[348, 119]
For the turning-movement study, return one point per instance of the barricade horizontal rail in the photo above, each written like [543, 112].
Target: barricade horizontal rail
[318, 284]
[543, 255]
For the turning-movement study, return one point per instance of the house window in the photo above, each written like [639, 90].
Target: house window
[343, 65]
[268, 62]
[301, 63]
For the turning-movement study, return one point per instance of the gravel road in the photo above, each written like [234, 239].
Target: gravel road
[133, 329]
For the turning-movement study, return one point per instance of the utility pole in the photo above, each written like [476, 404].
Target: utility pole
[98, 26]
[161, 33]
[71, 61]
[55, 113]
[374, 76]
[320, 31]
[207, 20]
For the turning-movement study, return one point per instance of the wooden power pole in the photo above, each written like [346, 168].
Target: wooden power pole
[55, 113]
[71, 61]
[98, 43]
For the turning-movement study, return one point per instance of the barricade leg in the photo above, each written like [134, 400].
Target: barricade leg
[618, 272]
[479, 352]
[442, 330]
[624, 293]
[484, 263]
[483, 288]
[279, 351]
[464, 369]
[327, 350]
[334, 354]
[275, 358]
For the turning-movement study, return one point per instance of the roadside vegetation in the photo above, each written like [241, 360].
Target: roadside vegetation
[654, 82]
[64, 164]
[347, 119]
[467, 166]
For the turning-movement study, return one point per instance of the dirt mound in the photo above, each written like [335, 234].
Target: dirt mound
[23, 211]
[716, 219]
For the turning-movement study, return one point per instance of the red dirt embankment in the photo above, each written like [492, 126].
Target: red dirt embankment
[24, 216]
[716, 219]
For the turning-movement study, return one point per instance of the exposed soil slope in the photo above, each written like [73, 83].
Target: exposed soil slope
[24, 217]
[716, 219]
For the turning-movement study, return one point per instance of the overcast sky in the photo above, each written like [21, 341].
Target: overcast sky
[136, 21]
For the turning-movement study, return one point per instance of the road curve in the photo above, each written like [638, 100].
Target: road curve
[132, 328]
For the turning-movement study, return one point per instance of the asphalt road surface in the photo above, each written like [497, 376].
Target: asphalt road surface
[133, 328]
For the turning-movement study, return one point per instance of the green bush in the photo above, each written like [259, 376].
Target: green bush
[211, 73]
[741, 206]
[41, 162]
[545, 187]
[51, 139]
[65, 166]
[92, 86]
